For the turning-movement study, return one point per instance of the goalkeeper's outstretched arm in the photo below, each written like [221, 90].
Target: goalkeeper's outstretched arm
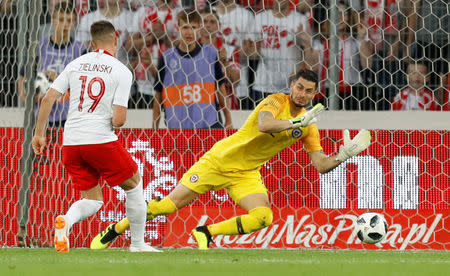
[350, 148]
[269, 124]
[322, 162]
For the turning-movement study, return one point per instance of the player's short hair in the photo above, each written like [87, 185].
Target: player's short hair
[189, 16]
[307, 75]
[64, 7]
[102, 31]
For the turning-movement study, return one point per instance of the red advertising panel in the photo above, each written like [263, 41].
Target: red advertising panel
[404, 175]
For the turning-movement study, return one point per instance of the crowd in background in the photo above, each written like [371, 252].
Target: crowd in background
[393, 54]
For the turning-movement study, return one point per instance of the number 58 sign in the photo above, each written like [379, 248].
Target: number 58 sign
[192, 94]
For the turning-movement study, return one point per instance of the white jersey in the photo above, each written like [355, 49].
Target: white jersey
[280, 57]
[97, 81]
[235, 27]
[122, 24]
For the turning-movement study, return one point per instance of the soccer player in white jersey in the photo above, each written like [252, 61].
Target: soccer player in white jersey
[99, 87]
[279, 49]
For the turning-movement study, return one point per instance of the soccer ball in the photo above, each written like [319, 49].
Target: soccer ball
[371, 227]
[42, 83]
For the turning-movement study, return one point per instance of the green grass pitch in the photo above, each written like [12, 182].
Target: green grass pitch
[230, 262]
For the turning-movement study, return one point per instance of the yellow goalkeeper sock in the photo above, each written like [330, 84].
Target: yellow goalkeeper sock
[155, 208]
[256, 219]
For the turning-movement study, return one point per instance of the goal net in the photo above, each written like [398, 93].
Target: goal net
[378, 59]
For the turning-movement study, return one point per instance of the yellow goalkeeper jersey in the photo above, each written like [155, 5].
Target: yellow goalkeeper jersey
[249, 148]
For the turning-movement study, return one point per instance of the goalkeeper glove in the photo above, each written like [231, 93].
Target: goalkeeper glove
[308, 118]
[353, 147]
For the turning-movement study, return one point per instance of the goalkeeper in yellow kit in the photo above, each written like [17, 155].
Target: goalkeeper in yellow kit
[233, 163]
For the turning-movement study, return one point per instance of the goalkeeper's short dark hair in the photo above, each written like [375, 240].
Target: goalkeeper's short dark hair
[307, 75]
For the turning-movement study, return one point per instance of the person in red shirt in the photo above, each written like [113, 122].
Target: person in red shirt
[416, 96]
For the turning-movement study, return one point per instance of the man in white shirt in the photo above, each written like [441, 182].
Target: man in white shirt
[278, 47]
[99, 87]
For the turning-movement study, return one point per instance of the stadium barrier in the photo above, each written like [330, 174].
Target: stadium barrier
[403, 174]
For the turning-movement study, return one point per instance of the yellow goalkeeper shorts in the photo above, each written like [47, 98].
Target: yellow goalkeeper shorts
[204, 176]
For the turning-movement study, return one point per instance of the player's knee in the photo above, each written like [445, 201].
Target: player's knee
[131, 182]
[263, 215]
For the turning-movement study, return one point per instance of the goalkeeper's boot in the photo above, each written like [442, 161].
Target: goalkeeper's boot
[151, 216]
[61, 232]
[104, 238]
[143, 248]
[202, 237]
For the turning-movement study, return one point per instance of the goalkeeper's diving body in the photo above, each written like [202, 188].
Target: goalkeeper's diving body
[234, 163]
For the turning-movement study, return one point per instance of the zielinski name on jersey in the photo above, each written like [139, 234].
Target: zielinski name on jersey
[102, 68]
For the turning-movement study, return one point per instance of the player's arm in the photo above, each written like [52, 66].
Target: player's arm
[119, 115]
[59, 87]
[350, 148]
[269, 124]
[121, 96]
[322, 162]
[45, 108]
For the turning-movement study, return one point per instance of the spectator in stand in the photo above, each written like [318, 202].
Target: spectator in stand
[260, 5]
[305, 8]
[279, 48]
[144, 71]
[416, 96]
[190, 82]
[47, 29]
[384, 20]
[122, 19]
[157, 22]
[156, 25]
[55, 52]
[236, 27]
[209, 35]
[352, 59]
[428, 37]
[8, 60]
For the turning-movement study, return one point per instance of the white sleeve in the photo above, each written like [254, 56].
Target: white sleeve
[123, 88]
[61, 83]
